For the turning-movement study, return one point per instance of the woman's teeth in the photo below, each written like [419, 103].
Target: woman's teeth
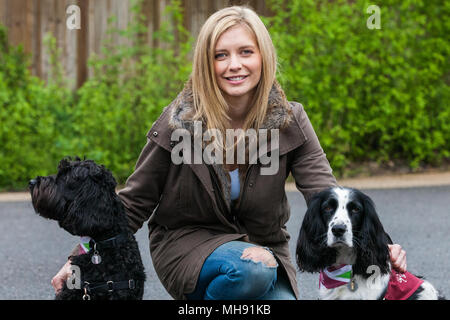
[236, 78]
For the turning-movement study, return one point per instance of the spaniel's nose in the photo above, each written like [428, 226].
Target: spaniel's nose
[339, 229]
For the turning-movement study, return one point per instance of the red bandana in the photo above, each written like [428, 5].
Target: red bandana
[402, 285]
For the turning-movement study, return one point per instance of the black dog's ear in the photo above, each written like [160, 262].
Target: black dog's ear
[312, 253]
[373, 241]
[93, 210]
[94, 207]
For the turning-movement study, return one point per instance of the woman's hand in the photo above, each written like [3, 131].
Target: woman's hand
[61, 277]
[398, 257]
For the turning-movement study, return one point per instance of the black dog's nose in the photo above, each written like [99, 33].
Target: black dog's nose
[339, 229]
[32, 183]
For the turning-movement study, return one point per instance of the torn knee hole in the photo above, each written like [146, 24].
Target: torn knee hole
[259, 254]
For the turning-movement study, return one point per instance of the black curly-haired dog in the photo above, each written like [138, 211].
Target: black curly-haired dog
[82, 198]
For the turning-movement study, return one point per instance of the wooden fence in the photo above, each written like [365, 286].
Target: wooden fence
[28, 21]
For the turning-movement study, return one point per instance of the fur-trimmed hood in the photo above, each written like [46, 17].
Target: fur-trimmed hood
[279, 111]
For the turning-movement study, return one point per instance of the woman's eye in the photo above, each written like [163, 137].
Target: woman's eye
[219, 55]
[247, 52]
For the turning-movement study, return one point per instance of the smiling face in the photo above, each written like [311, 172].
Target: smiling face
[237, 64]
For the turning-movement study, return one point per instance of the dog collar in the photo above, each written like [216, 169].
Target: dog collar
[87, 244]
[335, 276]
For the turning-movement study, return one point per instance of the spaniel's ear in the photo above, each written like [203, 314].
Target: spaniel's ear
[312, 253]
[373, 242]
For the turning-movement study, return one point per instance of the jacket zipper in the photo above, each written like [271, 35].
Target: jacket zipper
[244, 187]
[218, 187]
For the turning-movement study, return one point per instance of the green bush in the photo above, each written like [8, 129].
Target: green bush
[106, 119]
[130, 86]
[374, 95]
[28, 119]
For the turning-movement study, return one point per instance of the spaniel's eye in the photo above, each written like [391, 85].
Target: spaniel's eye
[356, 210]
[328, 209]
[329, 206]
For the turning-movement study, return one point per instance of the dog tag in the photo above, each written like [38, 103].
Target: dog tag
[96, 259]
[352, 285]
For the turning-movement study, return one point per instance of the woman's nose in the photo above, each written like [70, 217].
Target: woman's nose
[235, 63]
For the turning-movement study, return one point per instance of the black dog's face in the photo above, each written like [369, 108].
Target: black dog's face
[340, 218]
[81, 197]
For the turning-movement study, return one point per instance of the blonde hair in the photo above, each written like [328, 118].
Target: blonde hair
[209, 103]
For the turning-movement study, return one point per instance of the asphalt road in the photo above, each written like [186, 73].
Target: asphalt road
[33, 249]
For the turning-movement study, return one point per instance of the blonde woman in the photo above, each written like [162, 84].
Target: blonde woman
[217, 230]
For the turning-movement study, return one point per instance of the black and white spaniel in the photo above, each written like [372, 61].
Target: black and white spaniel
[342, 238]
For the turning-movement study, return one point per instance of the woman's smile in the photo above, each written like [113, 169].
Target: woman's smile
[235, 80]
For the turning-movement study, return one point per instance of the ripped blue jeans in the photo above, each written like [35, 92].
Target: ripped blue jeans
[226, 276]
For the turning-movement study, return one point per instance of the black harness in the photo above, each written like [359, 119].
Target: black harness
[108, 286]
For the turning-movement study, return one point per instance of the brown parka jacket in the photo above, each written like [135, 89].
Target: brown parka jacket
[189, 204]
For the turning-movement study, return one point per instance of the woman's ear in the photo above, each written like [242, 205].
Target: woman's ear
[373, 246]
[312, 253]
